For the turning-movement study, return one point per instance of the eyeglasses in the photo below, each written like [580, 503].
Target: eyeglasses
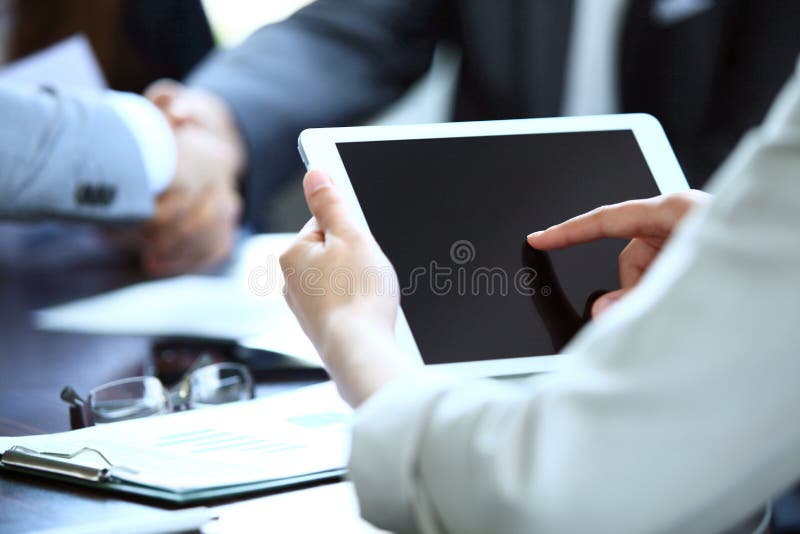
[204, 384]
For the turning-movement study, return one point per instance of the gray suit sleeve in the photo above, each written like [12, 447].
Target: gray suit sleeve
[333, 63]
[68, 154]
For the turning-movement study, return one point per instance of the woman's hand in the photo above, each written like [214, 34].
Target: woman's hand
[345, 294]
[647, 223]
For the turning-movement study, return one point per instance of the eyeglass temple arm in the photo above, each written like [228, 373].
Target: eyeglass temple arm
[77, 414]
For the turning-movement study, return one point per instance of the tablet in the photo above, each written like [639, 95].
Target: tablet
[451, 206]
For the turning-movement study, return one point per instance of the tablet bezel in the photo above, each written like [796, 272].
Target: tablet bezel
[318, 151]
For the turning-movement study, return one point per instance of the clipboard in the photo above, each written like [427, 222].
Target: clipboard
[41, 465]
[198, 456]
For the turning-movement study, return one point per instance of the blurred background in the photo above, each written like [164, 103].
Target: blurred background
[137, 42]
[429, 100]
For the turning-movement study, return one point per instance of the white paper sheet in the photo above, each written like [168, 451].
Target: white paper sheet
[246, 302]
[68, 63]
[301, 432]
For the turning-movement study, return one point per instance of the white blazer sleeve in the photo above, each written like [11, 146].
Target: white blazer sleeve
[676, 413]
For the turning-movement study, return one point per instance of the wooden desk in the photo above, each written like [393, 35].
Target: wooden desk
[34, 366]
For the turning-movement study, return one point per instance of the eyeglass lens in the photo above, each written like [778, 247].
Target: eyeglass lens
[129, 398]
[219, 383]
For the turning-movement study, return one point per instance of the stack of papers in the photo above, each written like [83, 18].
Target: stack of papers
[243, 304]
[68, 63]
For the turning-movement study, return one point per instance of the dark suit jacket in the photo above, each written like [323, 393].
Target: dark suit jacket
[707, 78]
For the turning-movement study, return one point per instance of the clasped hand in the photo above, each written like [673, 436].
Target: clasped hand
[197, 216]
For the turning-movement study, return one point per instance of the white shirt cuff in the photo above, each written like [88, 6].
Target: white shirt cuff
[152, 133]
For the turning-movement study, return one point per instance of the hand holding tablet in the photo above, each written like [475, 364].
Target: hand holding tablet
[354, 332]
[352, 329]
[451, 205]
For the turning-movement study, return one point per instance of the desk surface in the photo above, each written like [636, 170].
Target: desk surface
[35, 365]
[333, 508]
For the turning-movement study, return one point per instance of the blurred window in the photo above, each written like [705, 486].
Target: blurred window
[233, 20]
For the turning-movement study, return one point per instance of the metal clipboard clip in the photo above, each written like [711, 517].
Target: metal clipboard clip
[59, 463]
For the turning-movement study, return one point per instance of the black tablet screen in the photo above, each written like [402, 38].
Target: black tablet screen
[452, 216]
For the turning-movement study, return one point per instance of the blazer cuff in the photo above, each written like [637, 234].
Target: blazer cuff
[153, 136]
[387, 433]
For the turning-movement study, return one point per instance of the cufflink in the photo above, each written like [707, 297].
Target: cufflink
[95, 195]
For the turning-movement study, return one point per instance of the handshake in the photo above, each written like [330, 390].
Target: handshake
[196, 217]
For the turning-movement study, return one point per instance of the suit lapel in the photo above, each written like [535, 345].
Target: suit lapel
[669, 69]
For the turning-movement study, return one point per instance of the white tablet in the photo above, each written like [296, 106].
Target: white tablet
[451, 206]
